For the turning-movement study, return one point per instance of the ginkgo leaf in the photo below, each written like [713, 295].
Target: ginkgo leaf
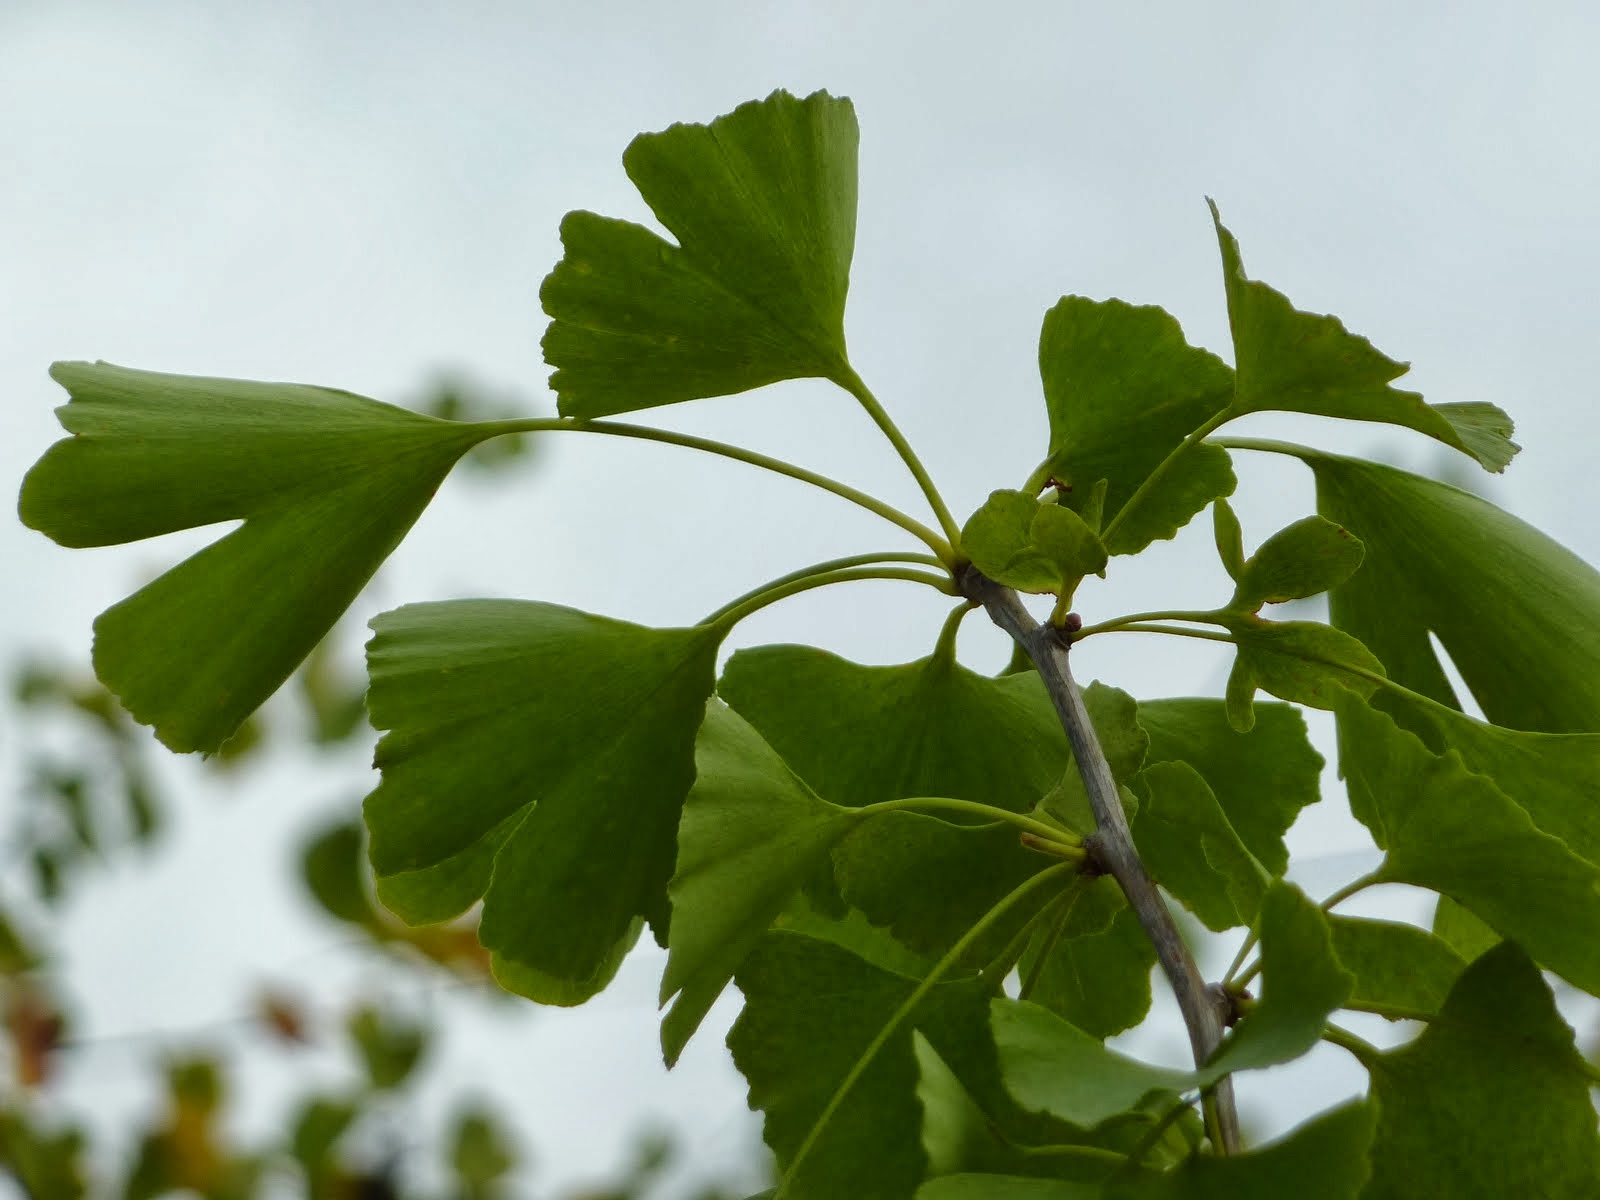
[811, 1009]
[1286, 360]
[1054, 1067]
[1123, 389]
[1006, 1187]
[326, 483]
[1396, 966]
[1094, 971]
[1491, 1100]
[1030, 545]
[1303, 984]
[1303, 559]
[1304, 661]
[568, 735]
[751, 833]
[1550, 775]
[859, 735]
[1517, 612]
[1323, 1159]
[1262, 779]
[1446, 828]
[762, 202]
[929, 880]
[1193, 851]
[1466, 934]
[1229, 538]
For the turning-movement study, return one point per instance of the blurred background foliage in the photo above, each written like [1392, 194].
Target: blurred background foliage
[89, 796]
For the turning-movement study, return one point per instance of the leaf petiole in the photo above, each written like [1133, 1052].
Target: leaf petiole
[1062, 842]
[729, 616]
[854, 384]
[824, 568]
[1117, 624]
[940, 969]
[1363, 1051]
[939, 545]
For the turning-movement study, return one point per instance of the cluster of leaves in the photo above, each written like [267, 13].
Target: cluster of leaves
[328, 1141]
[901, 867]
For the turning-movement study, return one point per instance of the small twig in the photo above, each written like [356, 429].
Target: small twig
[1111, 845]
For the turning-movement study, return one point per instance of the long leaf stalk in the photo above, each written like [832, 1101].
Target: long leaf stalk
[939, 545]
[873, 559]
[1112, 842]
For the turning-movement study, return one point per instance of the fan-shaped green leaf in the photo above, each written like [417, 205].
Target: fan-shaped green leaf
[1492, 1100]
[928, 880]
[1262, 779]
[1397, 967]
[762, 202]
[567, 737]
[1291, 361]
[1185, 839]
[1445, 828]
[1304, 559]
[1324, 1159]
[1030, 545]
[858, 735]
[1095, 970]
[327, 484]
[1303, 980]
[1303, 661]
[751, 834]
[1124, 389]
[811, 1009]
[1518, 613]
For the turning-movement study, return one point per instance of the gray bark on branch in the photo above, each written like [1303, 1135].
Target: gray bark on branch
[1111, 845]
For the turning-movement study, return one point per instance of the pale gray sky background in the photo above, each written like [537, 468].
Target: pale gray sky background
[363, 194]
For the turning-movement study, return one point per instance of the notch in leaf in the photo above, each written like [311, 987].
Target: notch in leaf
[326, 482]
[762, 202]
[1287, 360]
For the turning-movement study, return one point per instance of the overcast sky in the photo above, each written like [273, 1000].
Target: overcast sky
[365, 194]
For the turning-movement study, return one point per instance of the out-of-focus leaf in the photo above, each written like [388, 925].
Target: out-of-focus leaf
[1323, 1159]
[1491, 1100]
[481, 1152]
[390, 1046]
